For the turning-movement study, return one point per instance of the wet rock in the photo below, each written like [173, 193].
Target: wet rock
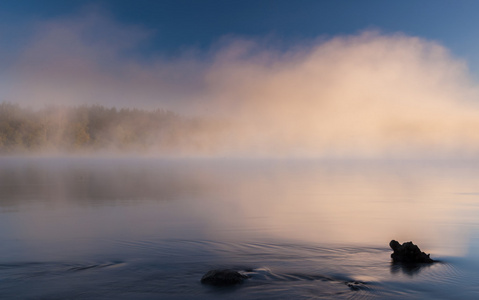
[223, 277]
[356, 285]
[408, 253]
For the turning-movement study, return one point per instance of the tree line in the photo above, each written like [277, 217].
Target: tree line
[95, 127]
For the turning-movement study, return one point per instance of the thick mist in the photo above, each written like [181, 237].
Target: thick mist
[366, 95]
[363, 95]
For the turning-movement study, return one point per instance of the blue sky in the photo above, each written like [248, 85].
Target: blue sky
[180, 24]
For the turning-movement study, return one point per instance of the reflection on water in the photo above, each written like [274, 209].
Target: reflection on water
[144, 228]
[410, 269]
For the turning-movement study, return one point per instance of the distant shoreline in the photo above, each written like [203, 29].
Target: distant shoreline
[95, 128]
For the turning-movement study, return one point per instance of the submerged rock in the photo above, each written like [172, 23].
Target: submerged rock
[356, 285]
[223, 277]
[408, 253]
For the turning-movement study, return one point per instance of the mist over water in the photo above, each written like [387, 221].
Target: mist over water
[295, 164]
[365, 95]
[368, 95]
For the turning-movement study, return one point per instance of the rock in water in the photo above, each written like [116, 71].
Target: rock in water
[223, 277]
[408, 253]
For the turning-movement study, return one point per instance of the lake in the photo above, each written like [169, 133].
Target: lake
[146, 228]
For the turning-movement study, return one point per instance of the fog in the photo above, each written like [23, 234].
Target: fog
[364, 95]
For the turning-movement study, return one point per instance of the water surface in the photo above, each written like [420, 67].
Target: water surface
[99, 228]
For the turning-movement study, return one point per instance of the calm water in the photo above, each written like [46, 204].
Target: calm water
[149, 228]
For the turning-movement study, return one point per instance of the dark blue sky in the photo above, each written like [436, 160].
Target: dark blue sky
[180, 24]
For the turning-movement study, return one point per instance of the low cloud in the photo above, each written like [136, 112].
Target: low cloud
[367, 95]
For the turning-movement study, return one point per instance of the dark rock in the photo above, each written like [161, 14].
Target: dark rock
[408, 253]
[356, 285]
[223, 277]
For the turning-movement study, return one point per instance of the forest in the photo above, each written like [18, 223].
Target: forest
[92, 128]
